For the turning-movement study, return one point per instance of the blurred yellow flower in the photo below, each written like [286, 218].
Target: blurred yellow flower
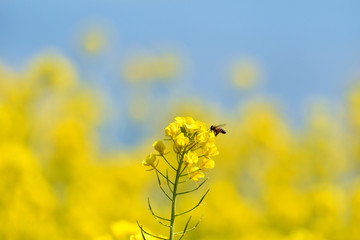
[353, 100]
[147, 237]
[136, 237]
[122, 229]
[151, 67]
[94, 41]
[244, 75]
[50, 71]
[104, 237]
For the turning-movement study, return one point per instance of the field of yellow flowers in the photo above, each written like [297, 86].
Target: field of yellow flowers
[270, 181]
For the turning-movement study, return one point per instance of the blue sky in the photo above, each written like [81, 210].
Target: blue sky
[305, 49]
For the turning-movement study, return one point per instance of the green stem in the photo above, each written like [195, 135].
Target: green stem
[173, 206]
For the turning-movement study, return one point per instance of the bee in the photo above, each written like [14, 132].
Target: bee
[217, 129]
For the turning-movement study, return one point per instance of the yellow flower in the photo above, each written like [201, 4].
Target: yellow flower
[180, 120]
[159, 146]
[189, 124]
[211, 139]
[195, 174]
[203, 137]
[150, 160]
[208, 163]
[176, 149]
[185, 124]
[191, 158]
[201, 126]
[181, 140]
[210, 151]
[172, 129]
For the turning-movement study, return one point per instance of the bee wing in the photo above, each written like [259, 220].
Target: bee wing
[220, 125]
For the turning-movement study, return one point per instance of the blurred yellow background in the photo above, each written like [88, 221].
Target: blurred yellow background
[64, 174]
[270, 181]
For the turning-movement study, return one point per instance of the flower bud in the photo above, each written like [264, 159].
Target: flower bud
[160, 147]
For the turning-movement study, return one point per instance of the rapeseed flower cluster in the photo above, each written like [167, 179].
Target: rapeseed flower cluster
[192, 139]
[194, 146]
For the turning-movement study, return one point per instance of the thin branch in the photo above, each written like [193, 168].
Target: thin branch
[196, 148]
[182, 235]
[152, 212]
[167, 179]
[191, 147]
[195, 206]
[164, 224]
[142, 233]
[177, 157]
[142, 230]
[164, 176]
[168, 162]
[194, 188]
[161, 187]
[190, 229]
[183, 169]
[187, 174]
[154, 167]
[184, 181]
[157, 219]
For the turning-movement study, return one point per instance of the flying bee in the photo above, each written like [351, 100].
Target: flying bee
[217, 129]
